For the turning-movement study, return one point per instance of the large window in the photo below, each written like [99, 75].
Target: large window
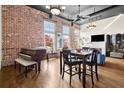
[66, 37]
[49, 32]
[66, 30]
[76, 38]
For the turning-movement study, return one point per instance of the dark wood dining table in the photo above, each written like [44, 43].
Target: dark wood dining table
[82, 55]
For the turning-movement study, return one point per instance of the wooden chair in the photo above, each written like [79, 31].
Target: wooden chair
[93, 62]
[70, 61]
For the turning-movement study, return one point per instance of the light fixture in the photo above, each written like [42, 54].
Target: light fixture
[56, 9]
[91, 25]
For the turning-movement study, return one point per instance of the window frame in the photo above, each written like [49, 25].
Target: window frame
[49, 32]
[66, 34]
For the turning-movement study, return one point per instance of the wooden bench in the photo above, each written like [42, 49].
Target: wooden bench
[25, 62]
[35, 54]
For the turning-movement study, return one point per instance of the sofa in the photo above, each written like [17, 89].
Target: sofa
[117, 54]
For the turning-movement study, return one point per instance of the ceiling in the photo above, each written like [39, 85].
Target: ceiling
[71, 12]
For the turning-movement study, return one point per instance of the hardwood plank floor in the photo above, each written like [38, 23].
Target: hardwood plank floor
[111, 75]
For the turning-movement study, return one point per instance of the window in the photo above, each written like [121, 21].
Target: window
[76, 38]
[65, 30]
[49, 32]
[66, 37]
[49, 27]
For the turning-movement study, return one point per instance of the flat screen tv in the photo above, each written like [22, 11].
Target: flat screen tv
[97, 38]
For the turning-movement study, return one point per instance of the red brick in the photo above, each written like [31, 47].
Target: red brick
[23, 28]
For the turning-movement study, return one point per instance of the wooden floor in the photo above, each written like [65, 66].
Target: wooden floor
[110, 75]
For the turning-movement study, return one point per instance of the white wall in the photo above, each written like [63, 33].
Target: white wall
[0, 37]
[88, 42]
[111, 25]
[117, 26]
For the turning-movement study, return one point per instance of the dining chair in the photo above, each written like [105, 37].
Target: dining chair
[91, 62]
[70, 61]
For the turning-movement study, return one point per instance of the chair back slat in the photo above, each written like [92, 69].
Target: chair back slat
[66, 55]
[94, 56]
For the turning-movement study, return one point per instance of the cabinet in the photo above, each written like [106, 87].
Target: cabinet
[115, 45]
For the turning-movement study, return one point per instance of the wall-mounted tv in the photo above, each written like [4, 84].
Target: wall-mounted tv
[97, 38]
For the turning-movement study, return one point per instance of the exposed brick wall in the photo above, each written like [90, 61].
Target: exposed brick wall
[23, 28]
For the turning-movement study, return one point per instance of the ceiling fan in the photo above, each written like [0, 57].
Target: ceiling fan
[79, 17]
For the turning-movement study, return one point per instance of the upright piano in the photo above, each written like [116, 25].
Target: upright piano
[36, 54]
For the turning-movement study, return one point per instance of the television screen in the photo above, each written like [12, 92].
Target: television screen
[97, 38]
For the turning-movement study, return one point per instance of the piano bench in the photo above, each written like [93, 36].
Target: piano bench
[26, 64]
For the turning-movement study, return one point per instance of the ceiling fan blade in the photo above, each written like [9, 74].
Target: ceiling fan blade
[69, 19]
[78, 19]
[84, 17]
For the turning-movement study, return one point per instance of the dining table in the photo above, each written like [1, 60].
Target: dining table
[83, 55]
